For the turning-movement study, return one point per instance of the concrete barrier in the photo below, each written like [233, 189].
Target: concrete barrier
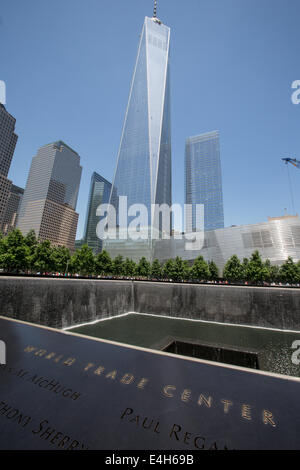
[64, 302]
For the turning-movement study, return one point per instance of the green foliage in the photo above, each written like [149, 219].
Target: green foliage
[2, 245]
[168, 269]
[31, 242]
[268, 268]
[245, 267]
[156, 270]
[213, 271]
[103, 263]
[180, 270]
[30, 239]
[129, 267]
[143, 268]
[41, 259]
[26, 253]
[256, 270]
[14, 252]
[200, 269]
[118, 266]
[274, 273]
[60, 259]
[233, 270]
[289, 271]
[82, 261]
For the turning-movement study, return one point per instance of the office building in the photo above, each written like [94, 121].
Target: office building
[5, 187]
[100, 190]
[203, 180]
[12, 209]
[50, 197]
[143, 171]
[8, 140]
[79, 244]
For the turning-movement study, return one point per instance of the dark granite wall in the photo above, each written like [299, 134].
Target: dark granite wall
[257, 306]
[65, 302]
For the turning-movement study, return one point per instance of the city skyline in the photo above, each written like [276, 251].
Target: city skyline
[255, 93]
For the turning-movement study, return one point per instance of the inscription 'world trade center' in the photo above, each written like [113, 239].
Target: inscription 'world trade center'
[143, 171]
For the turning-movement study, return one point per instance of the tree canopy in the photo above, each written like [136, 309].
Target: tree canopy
[27, 254]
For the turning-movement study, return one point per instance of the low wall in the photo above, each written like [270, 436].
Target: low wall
[257, 306]
[64, 302]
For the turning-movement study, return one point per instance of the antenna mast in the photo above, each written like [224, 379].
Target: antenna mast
[157, 20]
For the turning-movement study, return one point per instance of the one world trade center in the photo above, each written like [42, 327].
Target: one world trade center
[143, 171]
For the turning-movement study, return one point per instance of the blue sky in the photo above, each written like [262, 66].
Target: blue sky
[68, 65]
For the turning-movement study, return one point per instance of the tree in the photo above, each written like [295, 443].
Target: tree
[200, 269]
[118, 266]
[103, 263]
[30, 239]
[256, 270]
[268, 268]
[156, 271]
[41, 260]
[213, 271]
[245, 267]
[14, 252]
[180, 269]
[129, 267]
[31, 242]
[60, 259]
[233, 270]
[143, 268]
[168, 269]
[289, 271]
[274, 273]
[2, 245]
[82, 261]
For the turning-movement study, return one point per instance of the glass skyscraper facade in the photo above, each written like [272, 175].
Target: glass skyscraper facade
[12, 209]
[100, 190]
[203, 180]
[143, 171]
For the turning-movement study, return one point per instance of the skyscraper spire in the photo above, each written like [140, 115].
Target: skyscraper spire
[143, 171]
[155, 9]
[157, 20]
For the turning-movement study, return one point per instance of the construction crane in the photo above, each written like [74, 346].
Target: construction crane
[296, 163]
[292, 161]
